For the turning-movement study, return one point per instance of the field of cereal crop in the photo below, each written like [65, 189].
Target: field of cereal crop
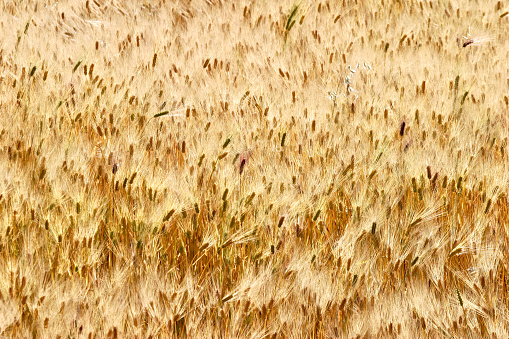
[254, 169]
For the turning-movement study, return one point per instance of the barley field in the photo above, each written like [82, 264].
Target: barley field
[254, 169]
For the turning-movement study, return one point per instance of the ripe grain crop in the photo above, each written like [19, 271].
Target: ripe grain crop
[236, 169]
